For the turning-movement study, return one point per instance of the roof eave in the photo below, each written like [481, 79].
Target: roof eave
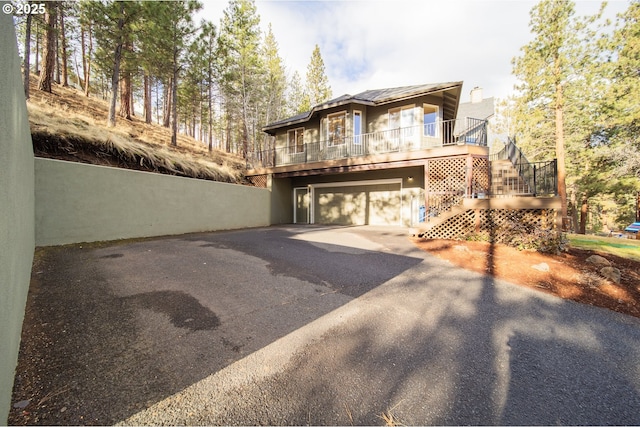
[456, 87]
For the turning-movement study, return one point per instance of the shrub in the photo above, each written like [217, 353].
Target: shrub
[531, 237]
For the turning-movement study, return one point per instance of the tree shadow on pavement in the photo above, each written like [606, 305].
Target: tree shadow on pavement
[111, 329]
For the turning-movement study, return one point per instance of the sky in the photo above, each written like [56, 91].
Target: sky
[373, 44]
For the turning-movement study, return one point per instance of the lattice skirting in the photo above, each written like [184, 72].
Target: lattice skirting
[490, 221]
[258, 180]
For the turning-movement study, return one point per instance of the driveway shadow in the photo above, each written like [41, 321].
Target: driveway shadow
[112, 329]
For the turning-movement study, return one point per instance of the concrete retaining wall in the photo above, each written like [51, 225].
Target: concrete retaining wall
[85, 203]
[16, 210]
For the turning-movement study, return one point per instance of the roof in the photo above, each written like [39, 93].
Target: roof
[379, 97]
[477, 110]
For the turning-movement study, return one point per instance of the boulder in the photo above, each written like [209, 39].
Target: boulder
[599, 261]
[543, 266]
[611, 273]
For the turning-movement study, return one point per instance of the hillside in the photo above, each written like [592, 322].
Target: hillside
[67, 125]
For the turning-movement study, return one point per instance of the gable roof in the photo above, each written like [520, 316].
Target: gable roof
[477, 110]
[379, 97]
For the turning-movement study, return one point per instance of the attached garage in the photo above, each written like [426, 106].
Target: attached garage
[376, 202]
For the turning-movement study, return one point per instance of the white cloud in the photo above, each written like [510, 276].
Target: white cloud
[386, 43]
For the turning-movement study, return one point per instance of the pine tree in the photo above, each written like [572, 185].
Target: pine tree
[545, 69]
[318, 88]
[86, 44]
[243, 71]
[63, 43]
[168, 32]
[27, 54]
[49, 50]
[208, 40]
[113, 23]
[275, 83]
[624, 95]
[297, 101]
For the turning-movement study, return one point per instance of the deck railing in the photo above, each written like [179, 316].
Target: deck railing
[413, 138]
[541, 177]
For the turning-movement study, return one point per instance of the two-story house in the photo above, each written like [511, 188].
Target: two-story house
[396, 156]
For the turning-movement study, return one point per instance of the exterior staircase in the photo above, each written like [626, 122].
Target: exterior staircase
[506, 181]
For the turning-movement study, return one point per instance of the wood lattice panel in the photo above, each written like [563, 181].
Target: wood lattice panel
[454, 227]
[258, 180]
[481, 181]
[447, 175]
[490, 221]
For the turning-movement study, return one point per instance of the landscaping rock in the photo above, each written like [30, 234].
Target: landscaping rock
[461, 248]
[611, 273]
[543, 266]
[599, 261]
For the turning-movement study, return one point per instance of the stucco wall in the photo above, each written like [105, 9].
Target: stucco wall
[16, 209]
[85, 203]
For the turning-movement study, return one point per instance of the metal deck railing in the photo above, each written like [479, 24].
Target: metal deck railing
[413, 138]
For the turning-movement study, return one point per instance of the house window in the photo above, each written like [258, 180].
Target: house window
[357, 127]
[296, 140]
[430, 120]
[336, 127]
[403, 117]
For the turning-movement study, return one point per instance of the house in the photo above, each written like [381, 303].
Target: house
[396, 156]
[479, 107]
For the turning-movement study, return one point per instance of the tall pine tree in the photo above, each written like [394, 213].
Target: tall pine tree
[544, 70]
[243, 71]
[318, 87]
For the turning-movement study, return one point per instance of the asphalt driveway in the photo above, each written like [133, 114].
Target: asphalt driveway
[309, 325]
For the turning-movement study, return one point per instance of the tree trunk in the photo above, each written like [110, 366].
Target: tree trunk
[174, 101]
[63, 50]
[57, 80]
[166, 119]
[49, 54]
[75, 64]
[132, 101]
[584, 210]
[126, 92]
[146, 112]
[86, 57]
[117, 56]
[560, 155]
[158, 100]
[125, 96]
[574, 210]
[27, 55]
[210, 115]
[37, 58]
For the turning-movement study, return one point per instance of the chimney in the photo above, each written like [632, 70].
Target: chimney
[476, 95]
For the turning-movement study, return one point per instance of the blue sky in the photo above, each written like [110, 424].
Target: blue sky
[370, 44]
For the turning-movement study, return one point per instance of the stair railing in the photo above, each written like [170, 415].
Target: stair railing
[541, 177]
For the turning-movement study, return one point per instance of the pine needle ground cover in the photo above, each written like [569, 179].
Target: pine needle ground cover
[66, 125]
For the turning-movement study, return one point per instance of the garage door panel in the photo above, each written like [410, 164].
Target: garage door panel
[384, 207]
[375, 204]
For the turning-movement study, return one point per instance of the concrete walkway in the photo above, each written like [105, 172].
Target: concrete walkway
[322, 325]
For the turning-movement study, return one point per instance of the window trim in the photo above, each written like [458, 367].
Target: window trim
[330, 142]
[400, 109]
[357, 133]
[435, 133]
[295, 148]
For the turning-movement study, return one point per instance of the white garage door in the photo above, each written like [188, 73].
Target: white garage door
[358, 203]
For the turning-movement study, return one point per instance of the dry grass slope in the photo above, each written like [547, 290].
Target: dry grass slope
[67, 125]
